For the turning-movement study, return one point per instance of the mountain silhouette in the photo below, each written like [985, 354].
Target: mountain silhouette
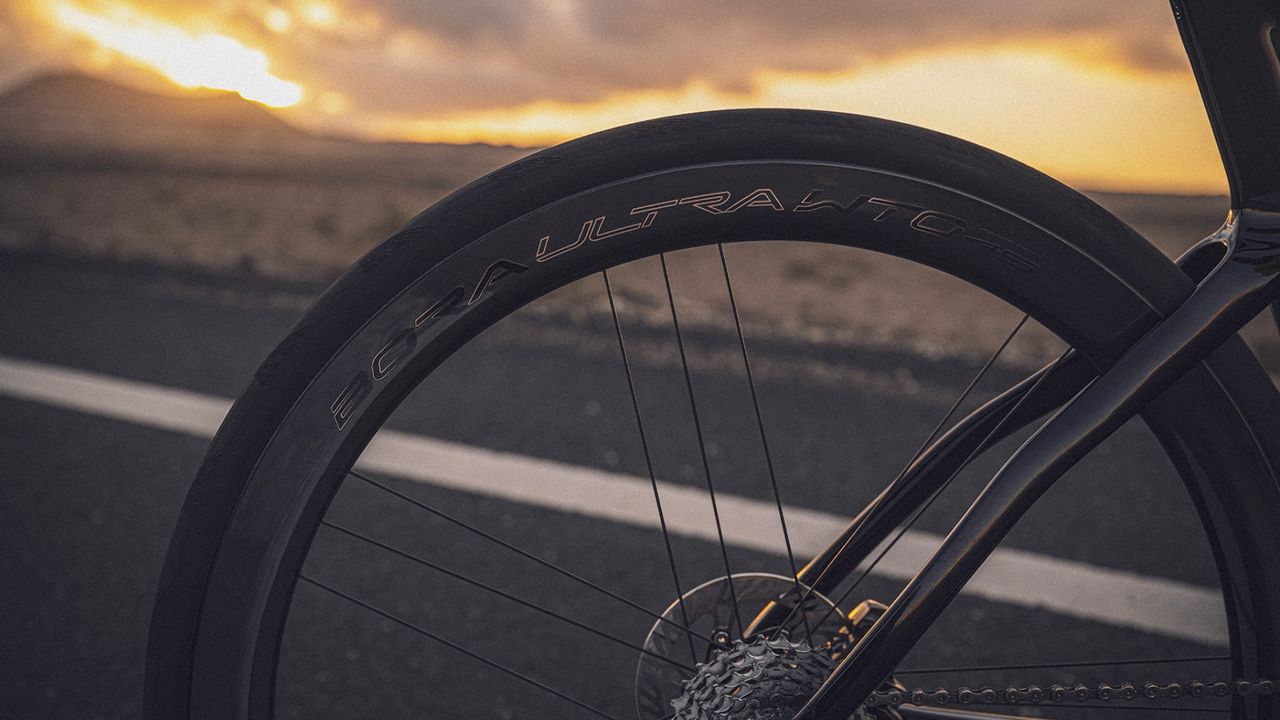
[71, 121]
[68, 109]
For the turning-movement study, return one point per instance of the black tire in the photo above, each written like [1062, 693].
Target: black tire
[315, 402]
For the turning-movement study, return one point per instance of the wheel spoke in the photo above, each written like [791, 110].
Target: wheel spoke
[982, 372]
[995, 431]
[428, 634]
[529, 556]
[648, 463]
[702, 446]
[764, 439]
[964, 395]
[503, 594]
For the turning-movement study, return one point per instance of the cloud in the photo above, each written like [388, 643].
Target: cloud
[512, 52]
[415, 57]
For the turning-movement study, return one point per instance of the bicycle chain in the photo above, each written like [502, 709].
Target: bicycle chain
[769, 678]
[892, 696]
[1069, 694]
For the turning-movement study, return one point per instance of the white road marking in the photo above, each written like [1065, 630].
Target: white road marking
[1014, 576]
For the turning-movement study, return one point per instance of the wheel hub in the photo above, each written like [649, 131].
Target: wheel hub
[712, 673]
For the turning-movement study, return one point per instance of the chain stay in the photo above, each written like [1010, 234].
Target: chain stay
[1067, 694]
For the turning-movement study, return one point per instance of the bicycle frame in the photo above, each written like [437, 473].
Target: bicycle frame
[1232, 47]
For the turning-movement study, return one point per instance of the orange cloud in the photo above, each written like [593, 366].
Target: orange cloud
[1085, 121]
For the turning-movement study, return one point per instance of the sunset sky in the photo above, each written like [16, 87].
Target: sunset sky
[1095, 92]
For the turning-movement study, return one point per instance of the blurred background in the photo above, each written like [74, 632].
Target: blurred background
[178, 180]
[284, 139]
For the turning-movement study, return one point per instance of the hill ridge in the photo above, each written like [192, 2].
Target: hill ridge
[70, 108]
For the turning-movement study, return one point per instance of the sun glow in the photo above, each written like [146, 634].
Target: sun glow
[319, 14]
[204, 60]
[1067, 101]
[1079, 119]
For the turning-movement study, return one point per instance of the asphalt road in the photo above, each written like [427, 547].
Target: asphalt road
[89, 502]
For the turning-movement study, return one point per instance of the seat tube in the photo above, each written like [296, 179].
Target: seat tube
[1233, 51]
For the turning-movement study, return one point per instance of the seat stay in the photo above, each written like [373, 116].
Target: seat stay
[1243, 283]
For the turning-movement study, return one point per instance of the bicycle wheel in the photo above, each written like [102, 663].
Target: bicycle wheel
[647, 191]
